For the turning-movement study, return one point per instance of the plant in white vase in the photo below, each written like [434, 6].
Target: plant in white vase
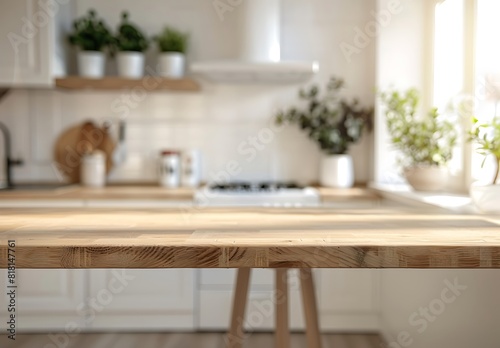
[425, 144]
[92, 37]
[487, 137]
[130, 43]
[335, 124]
[172, 45]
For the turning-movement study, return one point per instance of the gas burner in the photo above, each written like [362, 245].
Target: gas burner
[260, 194]
[254, 186]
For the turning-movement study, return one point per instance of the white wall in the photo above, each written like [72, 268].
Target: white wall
[221, 117]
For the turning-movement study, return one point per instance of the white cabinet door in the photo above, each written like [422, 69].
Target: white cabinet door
[142, 300]
[224, 278]
[348, 299]
[46, 300]
[33, 41]
[216, 298]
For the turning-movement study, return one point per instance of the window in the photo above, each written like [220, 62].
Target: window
[487, 77]
[457, 64]
[448, 74]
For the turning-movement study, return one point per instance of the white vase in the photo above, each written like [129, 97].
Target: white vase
[427, 178]
[337, 171]
[171, 64]
[486, 197]
[91, 64]
[130, 64]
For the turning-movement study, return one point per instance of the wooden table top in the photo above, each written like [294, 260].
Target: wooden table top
[155, 193]
[121, 192]
[232, 238]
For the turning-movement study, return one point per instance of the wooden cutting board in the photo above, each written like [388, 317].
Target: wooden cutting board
[77, 141]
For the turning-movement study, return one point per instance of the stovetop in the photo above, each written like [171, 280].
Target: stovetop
[248, 187]
[265, 194]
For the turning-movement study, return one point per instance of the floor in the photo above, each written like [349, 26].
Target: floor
[179, 340]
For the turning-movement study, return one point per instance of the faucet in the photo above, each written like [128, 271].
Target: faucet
[9, 161]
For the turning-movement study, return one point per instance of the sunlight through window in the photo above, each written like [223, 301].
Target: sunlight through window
[448, 51]
[448, 83]
[487, 76]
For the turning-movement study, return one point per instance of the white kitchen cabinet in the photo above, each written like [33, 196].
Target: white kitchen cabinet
[216, 294]
[47, 300]
[347, 299]
[142, 300]
[171, 299]
[224, 278]
[100, 300]
[33, 41]
[216, 300]
[216, 307]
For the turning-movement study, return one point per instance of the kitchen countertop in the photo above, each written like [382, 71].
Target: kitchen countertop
[76, 192]
[153, 192]
[193, 237]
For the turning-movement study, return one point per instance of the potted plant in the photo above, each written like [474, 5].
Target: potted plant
[487, 137]
[426, 144]
[172, 45]
[92, 36]
[130, 43]
[334, 123]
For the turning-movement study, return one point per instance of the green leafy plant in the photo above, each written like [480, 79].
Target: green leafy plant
[427, 141]
[172, 40]
[334, 123]
[90, 33]
[129, 37]
[487, 136]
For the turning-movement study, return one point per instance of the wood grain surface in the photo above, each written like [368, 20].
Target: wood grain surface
[329, 194]
[155, 192]
[149, 83]
[76, 192]
[240, 238]
[191, 340]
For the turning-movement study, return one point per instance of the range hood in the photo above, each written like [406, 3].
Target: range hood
[247, 72]
[258, 57]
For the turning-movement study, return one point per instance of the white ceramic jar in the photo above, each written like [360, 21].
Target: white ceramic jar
[191, 168]
[93, 169]
[169, 168]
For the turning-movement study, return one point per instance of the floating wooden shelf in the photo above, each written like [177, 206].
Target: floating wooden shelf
[148, 83]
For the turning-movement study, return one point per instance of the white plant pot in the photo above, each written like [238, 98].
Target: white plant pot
[427, 178]
[337, 171]
[91, 64]
[171, 64]
[486, 197]
[130, 64]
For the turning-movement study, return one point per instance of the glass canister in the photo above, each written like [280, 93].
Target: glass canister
[169, 168]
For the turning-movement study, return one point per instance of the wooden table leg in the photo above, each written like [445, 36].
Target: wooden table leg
[236, 333]
[282, 334]
[310, 308]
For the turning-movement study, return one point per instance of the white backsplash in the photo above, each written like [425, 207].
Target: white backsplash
[216, 120]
